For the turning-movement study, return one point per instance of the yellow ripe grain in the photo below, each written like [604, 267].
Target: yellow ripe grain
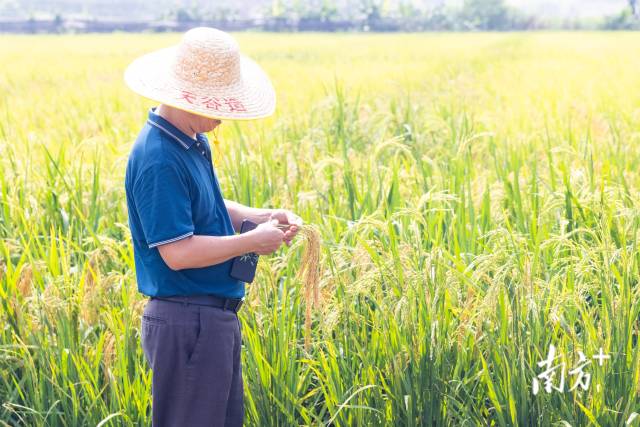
[91, 297]
[25, 283]
[108, 353]
[309, 273]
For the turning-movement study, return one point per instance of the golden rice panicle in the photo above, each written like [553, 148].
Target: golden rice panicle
[91, 295]
[108, 353]
[310, 274]
[138, 307]
[311, 260]
[26, 280]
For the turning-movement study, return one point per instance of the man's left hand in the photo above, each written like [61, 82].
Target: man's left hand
[285, 216]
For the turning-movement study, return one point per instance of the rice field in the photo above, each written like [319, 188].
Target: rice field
[477, 200]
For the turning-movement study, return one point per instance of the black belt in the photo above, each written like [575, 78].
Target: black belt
[206, 300]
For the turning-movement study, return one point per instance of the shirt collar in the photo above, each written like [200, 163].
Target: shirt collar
[164, 125]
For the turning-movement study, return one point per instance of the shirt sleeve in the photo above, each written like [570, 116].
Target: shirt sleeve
[163, 203]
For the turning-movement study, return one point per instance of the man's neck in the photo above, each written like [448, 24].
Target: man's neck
[174, 116]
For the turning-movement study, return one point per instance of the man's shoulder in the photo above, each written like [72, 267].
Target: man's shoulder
[154, 140]
[152, 152]
[153, 147]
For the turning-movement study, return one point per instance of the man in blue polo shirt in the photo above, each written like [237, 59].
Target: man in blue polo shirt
[184, 231]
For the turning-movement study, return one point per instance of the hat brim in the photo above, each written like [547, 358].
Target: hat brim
[252, 97]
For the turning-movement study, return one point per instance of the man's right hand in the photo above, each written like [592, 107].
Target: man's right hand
[267, 237]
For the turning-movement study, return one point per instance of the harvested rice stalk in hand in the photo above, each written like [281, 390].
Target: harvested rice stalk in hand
[310, 274]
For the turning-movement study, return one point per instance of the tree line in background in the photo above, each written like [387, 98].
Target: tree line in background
[337, 15]
[372, 15]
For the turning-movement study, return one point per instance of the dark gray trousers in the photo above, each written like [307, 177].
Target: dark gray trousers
[194, 354]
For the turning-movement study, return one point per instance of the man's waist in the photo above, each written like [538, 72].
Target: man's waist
[225, 303]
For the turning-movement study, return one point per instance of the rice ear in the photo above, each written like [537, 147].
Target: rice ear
[309, 273]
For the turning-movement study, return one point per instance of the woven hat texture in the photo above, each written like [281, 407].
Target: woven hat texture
[204, 74]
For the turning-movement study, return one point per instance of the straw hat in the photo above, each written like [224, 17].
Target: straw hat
[204, 74]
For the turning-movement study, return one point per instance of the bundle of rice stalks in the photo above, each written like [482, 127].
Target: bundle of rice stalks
[309, 273]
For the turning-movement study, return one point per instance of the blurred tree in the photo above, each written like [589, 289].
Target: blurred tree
[625, 20]
[183, 15]
[374, 16]
[58, 23]
[485, 15]
[317, 15]
[224, 14]
[328, 11]
[412, 18]
[440, 18]
[371, 11]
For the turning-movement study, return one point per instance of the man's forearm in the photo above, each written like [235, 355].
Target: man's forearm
[199, 251]
[238, 212]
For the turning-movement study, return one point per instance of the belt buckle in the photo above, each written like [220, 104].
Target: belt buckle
[239, 304]
[228, 303]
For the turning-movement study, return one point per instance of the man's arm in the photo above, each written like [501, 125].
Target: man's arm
[238, 212]
[198, 251]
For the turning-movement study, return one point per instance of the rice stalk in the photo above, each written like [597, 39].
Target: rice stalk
[309, 273]
[108, 353]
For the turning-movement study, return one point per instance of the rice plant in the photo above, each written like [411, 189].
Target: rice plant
[474, 197]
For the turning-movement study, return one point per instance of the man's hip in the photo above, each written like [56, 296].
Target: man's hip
[193, 349]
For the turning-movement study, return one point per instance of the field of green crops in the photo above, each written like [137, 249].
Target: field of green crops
[478, 200]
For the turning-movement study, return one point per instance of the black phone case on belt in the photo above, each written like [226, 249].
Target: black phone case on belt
[244, 266]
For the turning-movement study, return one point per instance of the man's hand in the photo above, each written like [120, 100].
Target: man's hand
[285, 216]
[268, 237]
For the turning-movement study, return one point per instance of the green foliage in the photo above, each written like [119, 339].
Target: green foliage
[625, 20]
[486, 15]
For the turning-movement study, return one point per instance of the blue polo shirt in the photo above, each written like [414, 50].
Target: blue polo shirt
[173, 192]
